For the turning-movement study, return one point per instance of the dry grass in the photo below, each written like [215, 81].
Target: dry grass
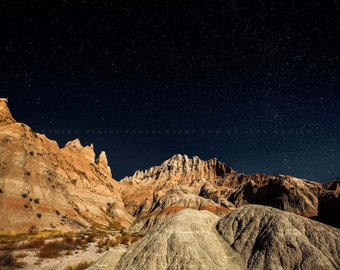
[9, 261]
[64, 244]
[57, 248]
[21, 255]
[127, 238]
[123, 238]
[11, 245]
[32, 234]
[80, 266]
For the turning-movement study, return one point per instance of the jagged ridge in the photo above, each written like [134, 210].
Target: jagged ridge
[181, 166]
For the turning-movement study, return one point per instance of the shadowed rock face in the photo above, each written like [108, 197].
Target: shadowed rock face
[329, 208]
[186, 240]
[268, 238]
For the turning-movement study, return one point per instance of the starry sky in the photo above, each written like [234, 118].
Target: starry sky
[254, 83]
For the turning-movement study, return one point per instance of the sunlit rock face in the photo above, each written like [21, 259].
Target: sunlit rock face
[48, 187]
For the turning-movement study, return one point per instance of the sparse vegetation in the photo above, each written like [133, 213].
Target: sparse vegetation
[38, 215]
[33, 230]
[57, 248]
[11, 245]
[57, 212]
[28, 173]
[9, 261]
[21, 255]
[50, 250]
[26, 206]
[104, 242]
[1, 190]
[80, 266]
[37, 200]
[24, 195]
[63, 246]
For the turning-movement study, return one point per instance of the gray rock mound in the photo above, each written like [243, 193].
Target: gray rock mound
[186, 240]
[268, 238]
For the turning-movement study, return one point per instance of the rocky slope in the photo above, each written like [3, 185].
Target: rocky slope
[63, 188]
[220, 184]
[269, 238]
[186, 240]
[173, 201]
[250, 237]
[153, 194]
[45, 187]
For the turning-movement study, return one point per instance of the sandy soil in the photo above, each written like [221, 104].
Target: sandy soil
[109, 260]
[90, 255]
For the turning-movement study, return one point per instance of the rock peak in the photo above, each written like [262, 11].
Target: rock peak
[181, 166]
[74, 144]
[103, 164]
[6, 117]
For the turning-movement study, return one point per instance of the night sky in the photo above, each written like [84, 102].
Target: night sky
[254, 83]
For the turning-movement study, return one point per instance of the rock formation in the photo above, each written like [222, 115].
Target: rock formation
[5, 114]
[218, 183]
[47, 187]
[176, 205]
[186, 240]
[180, 167]
[269, 238]
[250, 237]
[173, 201]
[153, 194]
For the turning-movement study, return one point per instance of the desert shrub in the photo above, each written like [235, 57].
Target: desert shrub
[68, 252]
[21, 255]
[127, 239]
[8, 260]
[80, 266]
[56, 248]
[50, 250]
[90, 238]
[38, 215]
[74, 242]
[37, 200]
[57, 212]
[32, 244]
[33, 230]
[10, 245]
